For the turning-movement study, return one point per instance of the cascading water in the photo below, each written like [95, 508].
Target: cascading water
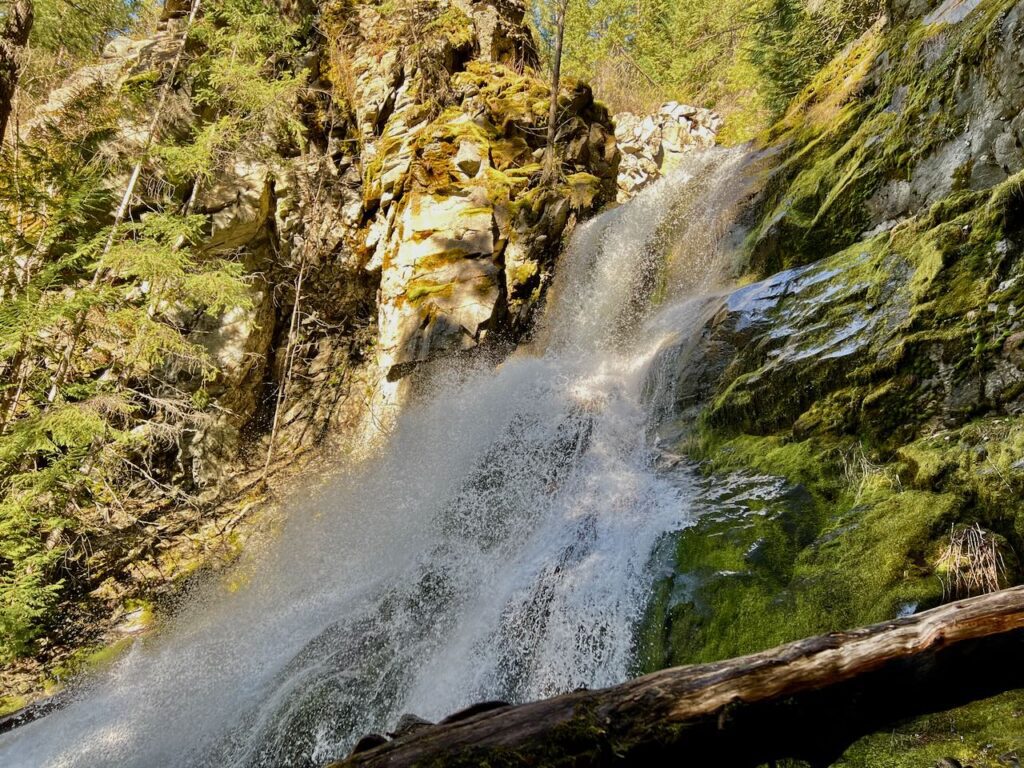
[497, 549]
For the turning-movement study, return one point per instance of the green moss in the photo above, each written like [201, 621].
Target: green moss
[336, 16]
[869, 117]
[813, 464]
[849, 543]
[582, 189]
[419, 290]
[510, 153]
[936, 292]
[730, 595]
[454, 124]
[91, 659]
[453, 26]
[11, 704]
[435, 261]
[522, 273]
[140, 87]
[883, 547]
[981, 734]
[373, 171]
[508, 95]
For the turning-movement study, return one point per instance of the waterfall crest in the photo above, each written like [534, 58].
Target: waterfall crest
[498, 548]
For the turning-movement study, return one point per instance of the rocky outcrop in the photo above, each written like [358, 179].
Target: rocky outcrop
[653, 145]
[415, 216]
[455, 220]
[854, 339]
[908, 115]
[912, 325]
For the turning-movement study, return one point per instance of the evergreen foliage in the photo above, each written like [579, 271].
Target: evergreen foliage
[100, 374]
[746, 59]
[67, 34]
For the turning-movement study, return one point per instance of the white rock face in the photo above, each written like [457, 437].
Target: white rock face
[238, 202]
[469, 158]
[653, 145]
[440, 283]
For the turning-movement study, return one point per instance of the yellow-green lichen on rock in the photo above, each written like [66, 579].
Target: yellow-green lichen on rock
[456, 220]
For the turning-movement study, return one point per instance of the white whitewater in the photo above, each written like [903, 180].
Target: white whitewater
[497, 549]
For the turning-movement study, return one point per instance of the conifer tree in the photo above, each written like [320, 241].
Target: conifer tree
[100, 376]
[745, 57]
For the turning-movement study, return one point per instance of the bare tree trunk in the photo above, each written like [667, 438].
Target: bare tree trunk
[286, 374]
[551, 156]
[807, 700]
[13, 37]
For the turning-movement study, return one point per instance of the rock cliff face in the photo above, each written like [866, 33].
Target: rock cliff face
[412, 226]
[873, 362]
[452, 214]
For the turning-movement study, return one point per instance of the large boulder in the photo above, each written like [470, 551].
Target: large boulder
[877, 340]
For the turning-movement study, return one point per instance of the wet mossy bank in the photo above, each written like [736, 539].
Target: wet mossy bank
[861, 425]
[827, 523]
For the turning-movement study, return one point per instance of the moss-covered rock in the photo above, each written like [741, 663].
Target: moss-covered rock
[802, 537]
[984, 734]
[875, 368]
[908, 114]
[909, 331]
[454, 216]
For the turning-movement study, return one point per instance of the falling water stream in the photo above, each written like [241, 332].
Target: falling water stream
[499, 547]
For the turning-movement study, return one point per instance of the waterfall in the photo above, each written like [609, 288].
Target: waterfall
[497, 548]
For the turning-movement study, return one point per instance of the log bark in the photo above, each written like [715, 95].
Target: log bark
[14, 34]
[807, 700]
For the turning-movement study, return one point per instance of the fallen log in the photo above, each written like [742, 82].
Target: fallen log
[807, 700]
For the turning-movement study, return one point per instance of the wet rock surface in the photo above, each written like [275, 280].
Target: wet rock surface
[852, 342]
[870, 363]
[747, 526]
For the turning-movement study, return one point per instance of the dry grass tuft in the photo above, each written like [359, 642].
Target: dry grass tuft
[971, 564]
[862, 474]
